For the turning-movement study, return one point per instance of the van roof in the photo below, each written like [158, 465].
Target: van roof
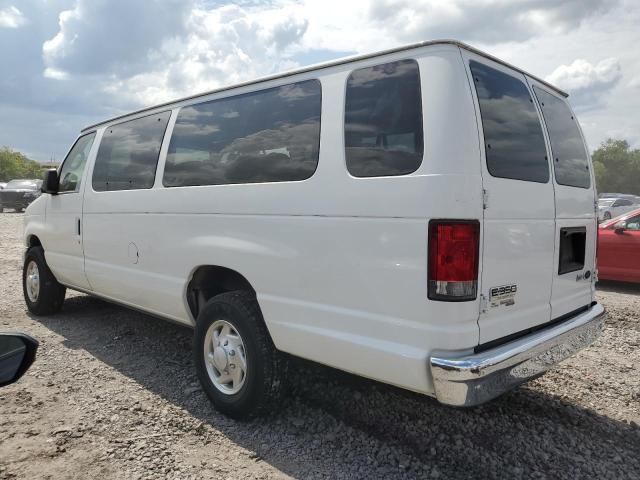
[332, 63]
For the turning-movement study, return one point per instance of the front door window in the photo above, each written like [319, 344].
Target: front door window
[73, 166]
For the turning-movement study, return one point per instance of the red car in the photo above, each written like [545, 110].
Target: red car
[619, 248]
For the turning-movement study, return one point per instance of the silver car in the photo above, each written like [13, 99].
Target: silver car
[613, 207]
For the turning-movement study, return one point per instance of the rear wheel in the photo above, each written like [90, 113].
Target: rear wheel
[607, 216]
[42, 292]
[237, 364]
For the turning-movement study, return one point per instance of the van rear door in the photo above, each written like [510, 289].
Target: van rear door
[519, 215]
[576, 218]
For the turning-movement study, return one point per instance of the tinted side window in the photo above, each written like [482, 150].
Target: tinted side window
[271, 135]
[570, 158]
[73, 166]
[128, 154]
[514, 143]
[633, 223]
[383, 120]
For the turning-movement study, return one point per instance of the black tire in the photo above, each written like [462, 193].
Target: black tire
[263, 386]
[607, 216]
[51, 293]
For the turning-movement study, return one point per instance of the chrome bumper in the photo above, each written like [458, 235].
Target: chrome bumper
[474, 379]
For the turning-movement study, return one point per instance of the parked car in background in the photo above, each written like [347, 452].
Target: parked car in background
[18, 194]
[611, 195]
[619, 248]
[609, 208]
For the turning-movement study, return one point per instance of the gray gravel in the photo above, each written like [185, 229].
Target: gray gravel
[113, 395]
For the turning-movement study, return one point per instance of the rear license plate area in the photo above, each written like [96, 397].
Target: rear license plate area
[572, 249]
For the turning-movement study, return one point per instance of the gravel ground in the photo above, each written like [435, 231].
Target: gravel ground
[113, 394]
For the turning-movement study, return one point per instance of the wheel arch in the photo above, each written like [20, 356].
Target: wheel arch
[207, 281]
[32, 240]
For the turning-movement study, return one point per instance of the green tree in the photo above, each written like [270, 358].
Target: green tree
[16, 165]
[617, 167]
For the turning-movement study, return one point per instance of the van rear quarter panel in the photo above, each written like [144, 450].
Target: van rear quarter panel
[339, 264]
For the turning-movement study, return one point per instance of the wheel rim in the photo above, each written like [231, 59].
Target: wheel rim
[33, 281]
[225, 357]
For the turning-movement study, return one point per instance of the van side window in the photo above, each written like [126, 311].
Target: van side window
[513, 139]
[383, 120]
[271, 135]
[128, 154]
[570, 160]
[73, 166]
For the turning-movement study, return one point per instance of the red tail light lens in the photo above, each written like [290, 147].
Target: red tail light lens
[454, 248]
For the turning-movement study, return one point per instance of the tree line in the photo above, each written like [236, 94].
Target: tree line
[615, 163]
[16, 165]
[617, 167]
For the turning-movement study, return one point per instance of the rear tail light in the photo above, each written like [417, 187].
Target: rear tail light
[454, 248]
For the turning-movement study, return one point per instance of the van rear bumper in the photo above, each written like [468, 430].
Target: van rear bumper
[474, 379]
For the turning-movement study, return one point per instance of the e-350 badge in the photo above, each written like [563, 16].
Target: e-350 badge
[503, 295]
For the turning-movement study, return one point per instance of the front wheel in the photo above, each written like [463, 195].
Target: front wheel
[236, 361]
[607, 216]
[42, 292]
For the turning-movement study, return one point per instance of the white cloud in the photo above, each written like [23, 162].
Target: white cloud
[482, 20]
[11, 17]
[55, 74]
[371, 25]
[207, 47]
[114, 37]
[216, 47]
[581, 74]
[587, 83]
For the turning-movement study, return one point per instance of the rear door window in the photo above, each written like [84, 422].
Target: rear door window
[570, 160]
[128, 154]
[383, 120]
[514, 142]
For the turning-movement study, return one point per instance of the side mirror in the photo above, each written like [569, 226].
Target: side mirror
[620, 227]
[17, 353]
[50, 182]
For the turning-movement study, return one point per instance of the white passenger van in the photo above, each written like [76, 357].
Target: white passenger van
[423, 216]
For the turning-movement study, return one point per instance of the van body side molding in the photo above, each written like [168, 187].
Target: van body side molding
[475, 379]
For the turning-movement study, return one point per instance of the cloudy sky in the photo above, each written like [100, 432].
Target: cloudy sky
[67, 63]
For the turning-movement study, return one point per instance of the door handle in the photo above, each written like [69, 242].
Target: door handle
[78, 226]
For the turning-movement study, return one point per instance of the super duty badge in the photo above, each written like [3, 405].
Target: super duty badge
[503, 295]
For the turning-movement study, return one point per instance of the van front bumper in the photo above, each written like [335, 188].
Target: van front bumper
[470, 380]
